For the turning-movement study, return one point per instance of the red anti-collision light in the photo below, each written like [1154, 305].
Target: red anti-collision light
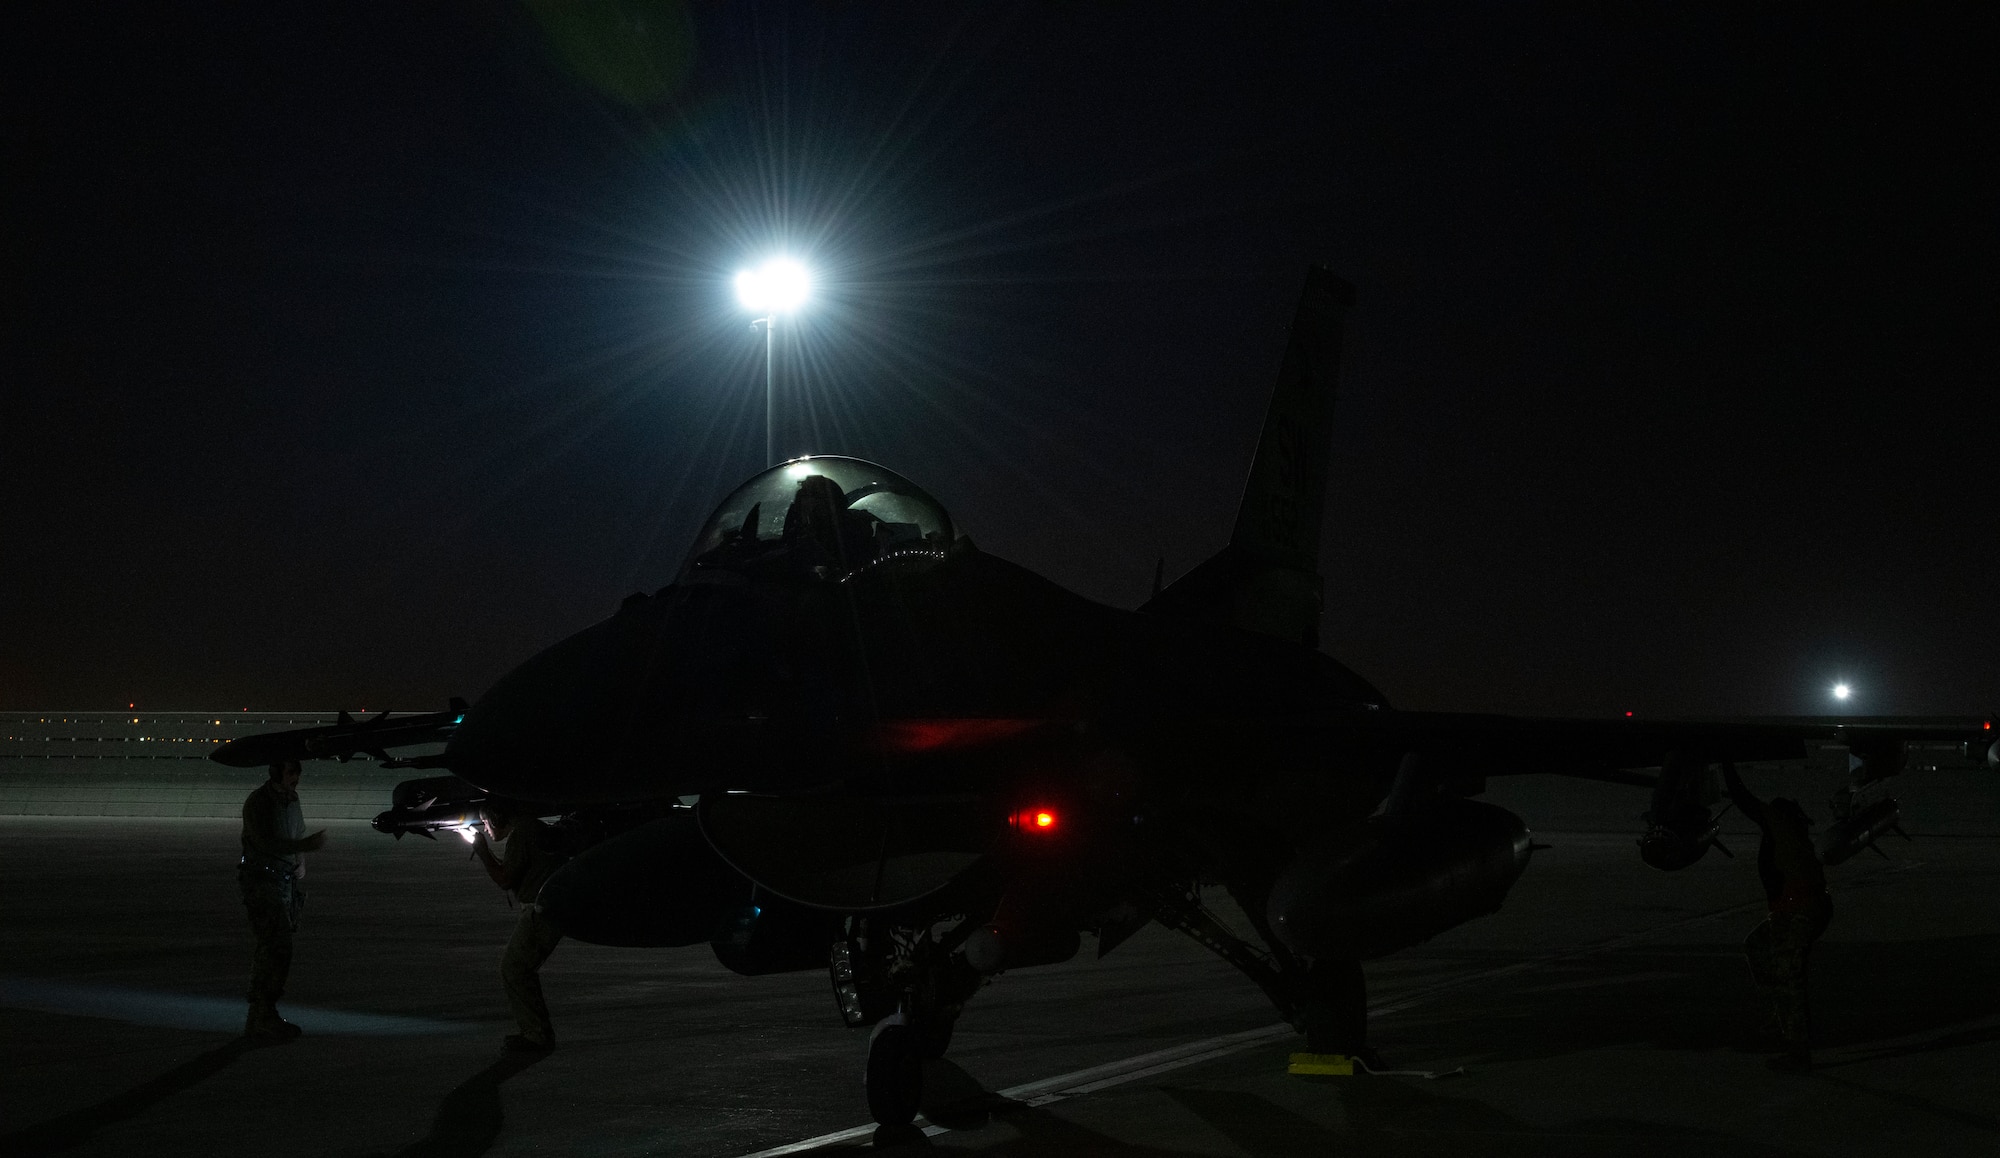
[1035, 820]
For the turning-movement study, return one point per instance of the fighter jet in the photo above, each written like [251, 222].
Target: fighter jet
[847, 739]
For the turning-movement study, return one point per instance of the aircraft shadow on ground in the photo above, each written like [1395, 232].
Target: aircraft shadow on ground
[76, 1127]
[1382, 1116]
[1701, 997]
[469, 1118]
[1678, 998]
[1390, 1117]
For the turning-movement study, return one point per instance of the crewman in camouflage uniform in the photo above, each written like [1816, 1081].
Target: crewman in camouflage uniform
[530, 857]
[1795, 886]
[274, 836]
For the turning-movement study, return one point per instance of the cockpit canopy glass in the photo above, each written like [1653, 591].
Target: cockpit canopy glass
[822, 518]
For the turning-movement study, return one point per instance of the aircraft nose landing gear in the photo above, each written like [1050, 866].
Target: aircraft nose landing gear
[903, 1041]
[926, 985]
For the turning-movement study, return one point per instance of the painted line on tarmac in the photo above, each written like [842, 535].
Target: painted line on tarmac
[1050, 1090]
[1047, 1091]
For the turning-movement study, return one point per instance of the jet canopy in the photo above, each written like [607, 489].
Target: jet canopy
[819, 518]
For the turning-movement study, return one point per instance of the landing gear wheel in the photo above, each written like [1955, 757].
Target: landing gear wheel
[895, 1075]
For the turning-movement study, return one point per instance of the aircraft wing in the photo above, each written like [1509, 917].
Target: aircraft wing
[1672, 758]
[1614, 750]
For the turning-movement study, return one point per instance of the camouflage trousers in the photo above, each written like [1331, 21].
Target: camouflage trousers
[271, 903]
[1777, 952]
[534, 938]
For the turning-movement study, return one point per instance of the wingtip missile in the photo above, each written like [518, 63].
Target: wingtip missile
[343, 740]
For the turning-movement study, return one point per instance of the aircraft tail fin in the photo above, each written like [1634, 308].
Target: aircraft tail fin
[1267, 579]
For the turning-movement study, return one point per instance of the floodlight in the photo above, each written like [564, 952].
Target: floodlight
[779, 286]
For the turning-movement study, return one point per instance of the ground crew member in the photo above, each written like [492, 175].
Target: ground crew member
[274, 836]
[530, 857]
[1795, 886]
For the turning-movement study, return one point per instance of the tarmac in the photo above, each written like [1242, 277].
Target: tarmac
[1603, 1011]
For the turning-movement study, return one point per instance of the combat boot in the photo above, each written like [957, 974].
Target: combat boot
[263, 1025]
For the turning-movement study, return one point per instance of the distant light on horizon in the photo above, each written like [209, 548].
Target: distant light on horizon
[780, 286]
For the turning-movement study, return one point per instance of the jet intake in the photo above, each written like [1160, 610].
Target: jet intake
[775, 936]
[1369, 890]
[659, 885]
[853, 854]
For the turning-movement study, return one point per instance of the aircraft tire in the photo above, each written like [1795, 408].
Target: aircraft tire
[895, 1076]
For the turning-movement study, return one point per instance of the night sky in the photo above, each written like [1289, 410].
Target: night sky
[354, 353]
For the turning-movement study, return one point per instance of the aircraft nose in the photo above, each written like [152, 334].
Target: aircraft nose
[556, 727]
[624, 709]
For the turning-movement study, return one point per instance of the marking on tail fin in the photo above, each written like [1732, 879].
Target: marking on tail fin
[1267, 579]
[1285, 495]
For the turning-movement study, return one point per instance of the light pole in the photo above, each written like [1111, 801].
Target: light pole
[779, 286]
